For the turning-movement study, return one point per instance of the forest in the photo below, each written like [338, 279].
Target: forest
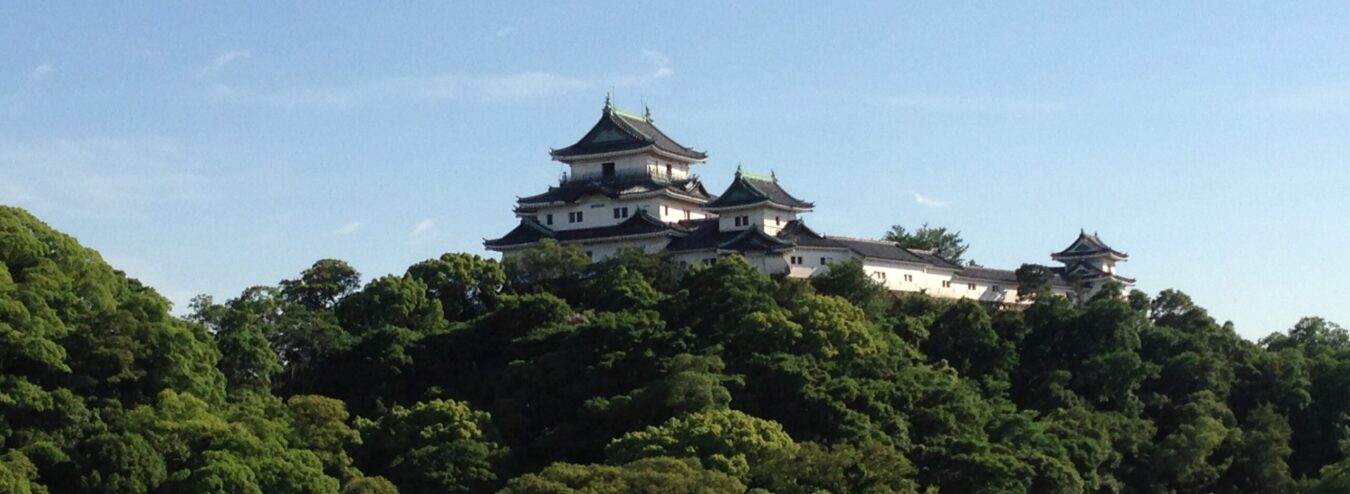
[549, 374]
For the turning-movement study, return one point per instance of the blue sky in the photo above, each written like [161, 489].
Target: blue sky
[207, 148]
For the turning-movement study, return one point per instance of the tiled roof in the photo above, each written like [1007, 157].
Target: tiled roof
[621, 131]
[754, 239]
[879, 250]
[530, 231]
[570, 192]
[747, 190]
[1087, 245]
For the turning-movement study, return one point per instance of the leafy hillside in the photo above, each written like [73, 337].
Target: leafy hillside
[550, 375]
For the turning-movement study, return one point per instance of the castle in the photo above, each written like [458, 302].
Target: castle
[631, 187]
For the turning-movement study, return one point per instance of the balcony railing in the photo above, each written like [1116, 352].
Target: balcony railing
[616, 176]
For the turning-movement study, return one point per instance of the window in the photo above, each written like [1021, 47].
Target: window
[668, 169]
[946, 283]
[607, 169]
[798, 260]
[880, 275]
[548, 219]
[620, 213]
[777, 221]
[995, 288]
[742, 220]
[824, 261]
[686, 214]
[909, 277]
[666, 210]
[574, 217]
[710, 261]
[970, 286]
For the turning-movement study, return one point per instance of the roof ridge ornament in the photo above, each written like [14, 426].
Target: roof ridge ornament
[609, 101]
[647, 113]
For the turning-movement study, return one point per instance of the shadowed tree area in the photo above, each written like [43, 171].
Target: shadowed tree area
[548, 374]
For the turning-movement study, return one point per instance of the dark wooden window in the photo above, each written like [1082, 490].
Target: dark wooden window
[548, 219]
[620, 213]
[607, 169]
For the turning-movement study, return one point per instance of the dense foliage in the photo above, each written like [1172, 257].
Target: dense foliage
[551, 375]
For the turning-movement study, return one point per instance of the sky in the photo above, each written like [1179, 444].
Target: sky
[205, 148]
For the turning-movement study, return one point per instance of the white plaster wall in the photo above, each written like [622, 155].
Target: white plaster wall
[642, 164]
[600, 251]
[597, 211]
[770, 220]
[672, 210]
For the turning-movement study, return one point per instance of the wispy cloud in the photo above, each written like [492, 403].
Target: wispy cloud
[349, 228]
[423, 226]
[1325, 99]
[928, 202]
[445, 87]
[101, 178]
[939, 102]
[221, 61]
[656, 66]
[40, 71]
[441, 87]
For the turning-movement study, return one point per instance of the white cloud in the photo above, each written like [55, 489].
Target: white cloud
[939, 102]
[101, 178]
[928, 202]
[217, 64]
[506, 31]
[40, 71]
[349, 228]
[658, 67]
[423, 226]
[445, 87]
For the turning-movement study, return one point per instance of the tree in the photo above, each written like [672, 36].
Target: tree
[646, 476]
[945, 244]
[433, 446]
[322, 285]
[723, 440]
[1033, 282]
[466, 285]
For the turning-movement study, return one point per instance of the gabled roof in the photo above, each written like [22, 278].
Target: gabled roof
[1086, 271]
[530, 231]
[1088, 246]
[746, 190]
[570, 192]
[754, 239]
[797, 232]
[622, 131]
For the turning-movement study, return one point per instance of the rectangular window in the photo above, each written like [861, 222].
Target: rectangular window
[607, 169]
[798, 260]
[668, 170]
[995, 288]
[666, 210]
[777, 221]
[909, 277]
[710, 261]
[574, 217]
[970, 286]
[686, 214]
[620, 213]
[742, 220]
[946, 283]
[880, 275]
[548, 219]
[824, 261]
